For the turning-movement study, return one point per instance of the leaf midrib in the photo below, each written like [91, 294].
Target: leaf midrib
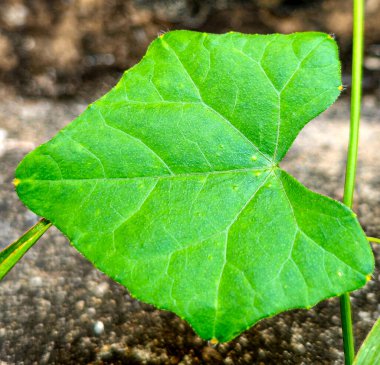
[159, 177]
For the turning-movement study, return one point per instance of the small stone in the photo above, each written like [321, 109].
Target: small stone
[15, 15]
[299, 348]
[101, 289]
[247, 358]
[365, 316]
[243, 341]
[98, 327]
[371, 297]
[261, 354]
[79, 305]
[210, 354]
[228, 361]
[35, 281]
[335, 319]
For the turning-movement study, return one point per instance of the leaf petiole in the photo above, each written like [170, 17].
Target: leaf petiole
[16, 250]
[373, 239]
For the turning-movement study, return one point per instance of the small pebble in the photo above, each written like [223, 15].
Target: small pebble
[365, 316]
[79, 305]
[35, 281]
[299, 348]
[371, 297]
[98, 327]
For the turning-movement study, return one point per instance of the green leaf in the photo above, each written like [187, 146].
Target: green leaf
[170, 183]
[369, 353]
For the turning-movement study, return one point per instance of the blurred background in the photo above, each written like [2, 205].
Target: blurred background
[61, 48]
[56, 56]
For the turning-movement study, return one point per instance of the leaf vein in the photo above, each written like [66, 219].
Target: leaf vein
[87, 150]
[135, 138]
[209, 106]
[305, 234]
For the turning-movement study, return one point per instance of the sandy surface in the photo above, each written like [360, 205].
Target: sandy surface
[55, 308]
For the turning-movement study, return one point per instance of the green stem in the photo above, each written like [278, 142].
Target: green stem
[16, 250]
[349, 187]
[373, 239]
[347, 330]
[356, 93]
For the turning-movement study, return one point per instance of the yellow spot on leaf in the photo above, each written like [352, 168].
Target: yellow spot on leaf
[368, 277]
[16, 182]
[257, 173]
[214, 341]
[254, 158]
[341, 88]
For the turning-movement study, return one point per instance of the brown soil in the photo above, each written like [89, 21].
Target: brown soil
[50, 47]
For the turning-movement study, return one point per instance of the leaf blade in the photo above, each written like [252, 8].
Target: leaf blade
[170, 184]
[369, 352]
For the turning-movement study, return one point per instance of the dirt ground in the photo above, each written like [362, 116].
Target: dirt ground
[51, 47]
[55, 308]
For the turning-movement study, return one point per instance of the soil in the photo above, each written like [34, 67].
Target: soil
[55, 308]
[50, 47]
